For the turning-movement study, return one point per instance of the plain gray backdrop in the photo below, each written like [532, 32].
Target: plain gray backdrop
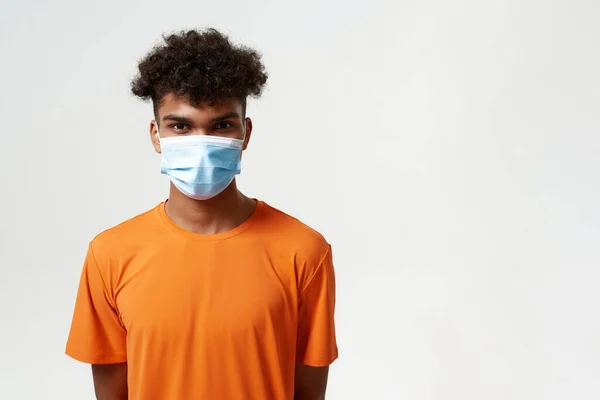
[447, 149]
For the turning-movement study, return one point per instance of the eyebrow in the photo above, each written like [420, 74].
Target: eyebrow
[177, 118]
[189, 121]
[223, 117]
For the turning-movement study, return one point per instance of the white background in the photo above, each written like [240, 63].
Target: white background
[447, 149]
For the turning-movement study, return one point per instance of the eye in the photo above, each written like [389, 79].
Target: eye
[223, 125]
[179, 126]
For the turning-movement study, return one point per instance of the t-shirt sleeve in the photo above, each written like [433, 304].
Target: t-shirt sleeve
[316, 345]
[97, 335]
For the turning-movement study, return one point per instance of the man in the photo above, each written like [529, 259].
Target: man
[210, 295]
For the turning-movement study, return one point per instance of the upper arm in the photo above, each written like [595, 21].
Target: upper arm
[310, 382]
[110, 381]
[316, 342]
[97, 335]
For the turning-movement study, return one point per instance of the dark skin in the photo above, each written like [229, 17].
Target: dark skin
[220, 214]
[110, 381]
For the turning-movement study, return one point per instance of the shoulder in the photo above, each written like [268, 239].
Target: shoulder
[290, 231]
[126, 236]
[308, 247]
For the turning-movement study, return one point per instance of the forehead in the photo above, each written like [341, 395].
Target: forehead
[181, 106]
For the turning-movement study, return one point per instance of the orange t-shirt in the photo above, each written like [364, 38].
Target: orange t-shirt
[223, 316]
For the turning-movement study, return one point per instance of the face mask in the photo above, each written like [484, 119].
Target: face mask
[200, 166]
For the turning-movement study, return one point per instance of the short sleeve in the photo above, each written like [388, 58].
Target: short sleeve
[97, 335]
[316, 343]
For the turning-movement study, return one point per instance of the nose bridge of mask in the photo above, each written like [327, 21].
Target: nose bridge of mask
[217, 141]
[202, 156]
[243, 139]
[201, 151]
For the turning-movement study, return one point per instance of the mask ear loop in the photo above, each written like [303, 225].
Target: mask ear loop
[157, 132]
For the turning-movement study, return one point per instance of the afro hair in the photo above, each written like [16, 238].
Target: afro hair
[202, 66]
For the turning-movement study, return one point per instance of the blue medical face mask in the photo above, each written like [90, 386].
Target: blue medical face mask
[200, 166]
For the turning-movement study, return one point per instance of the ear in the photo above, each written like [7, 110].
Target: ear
[154, 136]
[248, 133]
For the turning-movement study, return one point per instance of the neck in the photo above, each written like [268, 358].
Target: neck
[220, 214]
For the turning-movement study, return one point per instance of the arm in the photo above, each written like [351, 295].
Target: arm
[110, 381]
[310, 383]
[97, 336]
[316, 343]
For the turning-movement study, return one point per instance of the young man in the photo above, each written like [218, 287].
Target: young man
[210, 295]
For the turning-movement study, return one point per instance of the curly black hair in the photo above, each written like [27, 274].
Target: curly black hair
[202, 66]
